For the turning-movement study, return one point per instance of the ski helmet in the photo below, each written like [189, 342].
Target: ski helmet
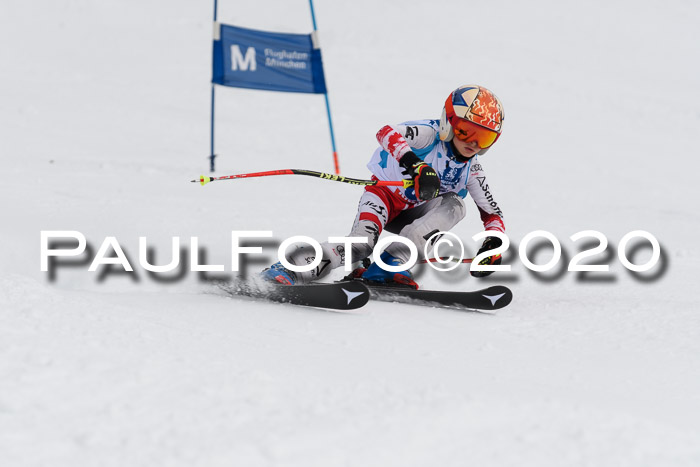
[472, 113]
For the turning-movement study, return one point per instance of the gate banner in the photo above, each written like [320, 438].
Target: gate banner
[247, 58]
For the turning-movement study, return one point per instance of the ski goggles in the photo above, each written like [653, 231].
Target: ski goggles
[467, 131]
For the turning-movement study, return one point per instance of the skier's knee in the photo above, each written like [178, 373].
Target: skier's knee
[454, 206]
[364, 229]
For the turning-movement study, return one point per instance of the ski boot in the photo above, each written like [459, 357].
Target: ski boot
[278, 273]
[356, 274]
[379, 276]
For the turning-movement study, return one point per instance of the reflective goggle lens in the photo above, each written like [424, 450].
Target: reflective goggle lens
[467, 131]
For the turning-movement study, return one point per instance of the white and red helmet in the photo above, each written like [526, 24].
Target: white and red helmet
[472, 113]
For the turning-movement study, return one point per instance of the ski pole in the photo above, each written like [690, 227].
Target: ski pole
[203, 179]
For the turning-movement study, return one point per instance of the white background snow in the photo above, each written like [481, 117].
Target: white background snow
[104, 120]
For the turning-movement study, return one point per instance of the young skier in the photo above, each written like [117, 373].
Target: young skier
[441, 157]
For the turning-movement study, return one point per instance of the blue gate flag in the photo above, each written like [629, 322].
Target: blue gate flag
[247, 58]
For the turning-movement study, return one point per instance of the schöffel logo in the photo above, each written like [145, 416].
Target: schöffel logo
[489, 197]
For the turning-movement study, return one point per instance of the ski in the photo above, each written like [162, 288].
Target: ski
[488, 299]
[336, 296]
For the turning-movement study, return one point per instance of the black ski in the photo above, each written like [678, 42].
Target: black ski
[488, 299]
[337, 296]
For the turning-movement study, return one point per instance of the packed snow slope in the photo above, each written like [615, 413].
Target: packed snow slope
[105, 120]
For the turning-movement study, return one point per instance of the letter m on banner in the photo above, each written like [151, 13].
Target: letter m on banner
[247, 58]
[239, 62]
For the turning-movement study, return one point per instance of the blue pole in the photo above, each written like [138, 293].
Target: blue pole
[328, 106]
[212, 156]
[313, 15]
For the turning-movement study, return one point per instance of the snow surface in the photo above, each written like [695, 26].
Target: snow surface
[105, 119]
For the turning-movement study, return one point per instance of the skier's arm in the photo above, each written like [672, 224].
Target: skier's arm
[491, 220]
[490, 212]
[393, 139]
[491, 216]
[397, 140]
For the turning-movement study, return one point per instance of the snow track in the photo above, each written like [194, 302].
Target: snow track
[105, 121]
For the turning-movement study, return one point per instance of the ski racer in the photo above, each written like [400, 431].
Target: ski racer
[441, 157]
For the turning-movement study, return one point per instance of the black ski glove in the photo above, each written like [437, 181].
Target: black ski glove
[426, 182]
[490, 243]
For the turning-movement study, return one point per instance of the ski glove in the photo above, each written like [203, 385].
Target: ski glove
[426, 182]
[490, 243]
